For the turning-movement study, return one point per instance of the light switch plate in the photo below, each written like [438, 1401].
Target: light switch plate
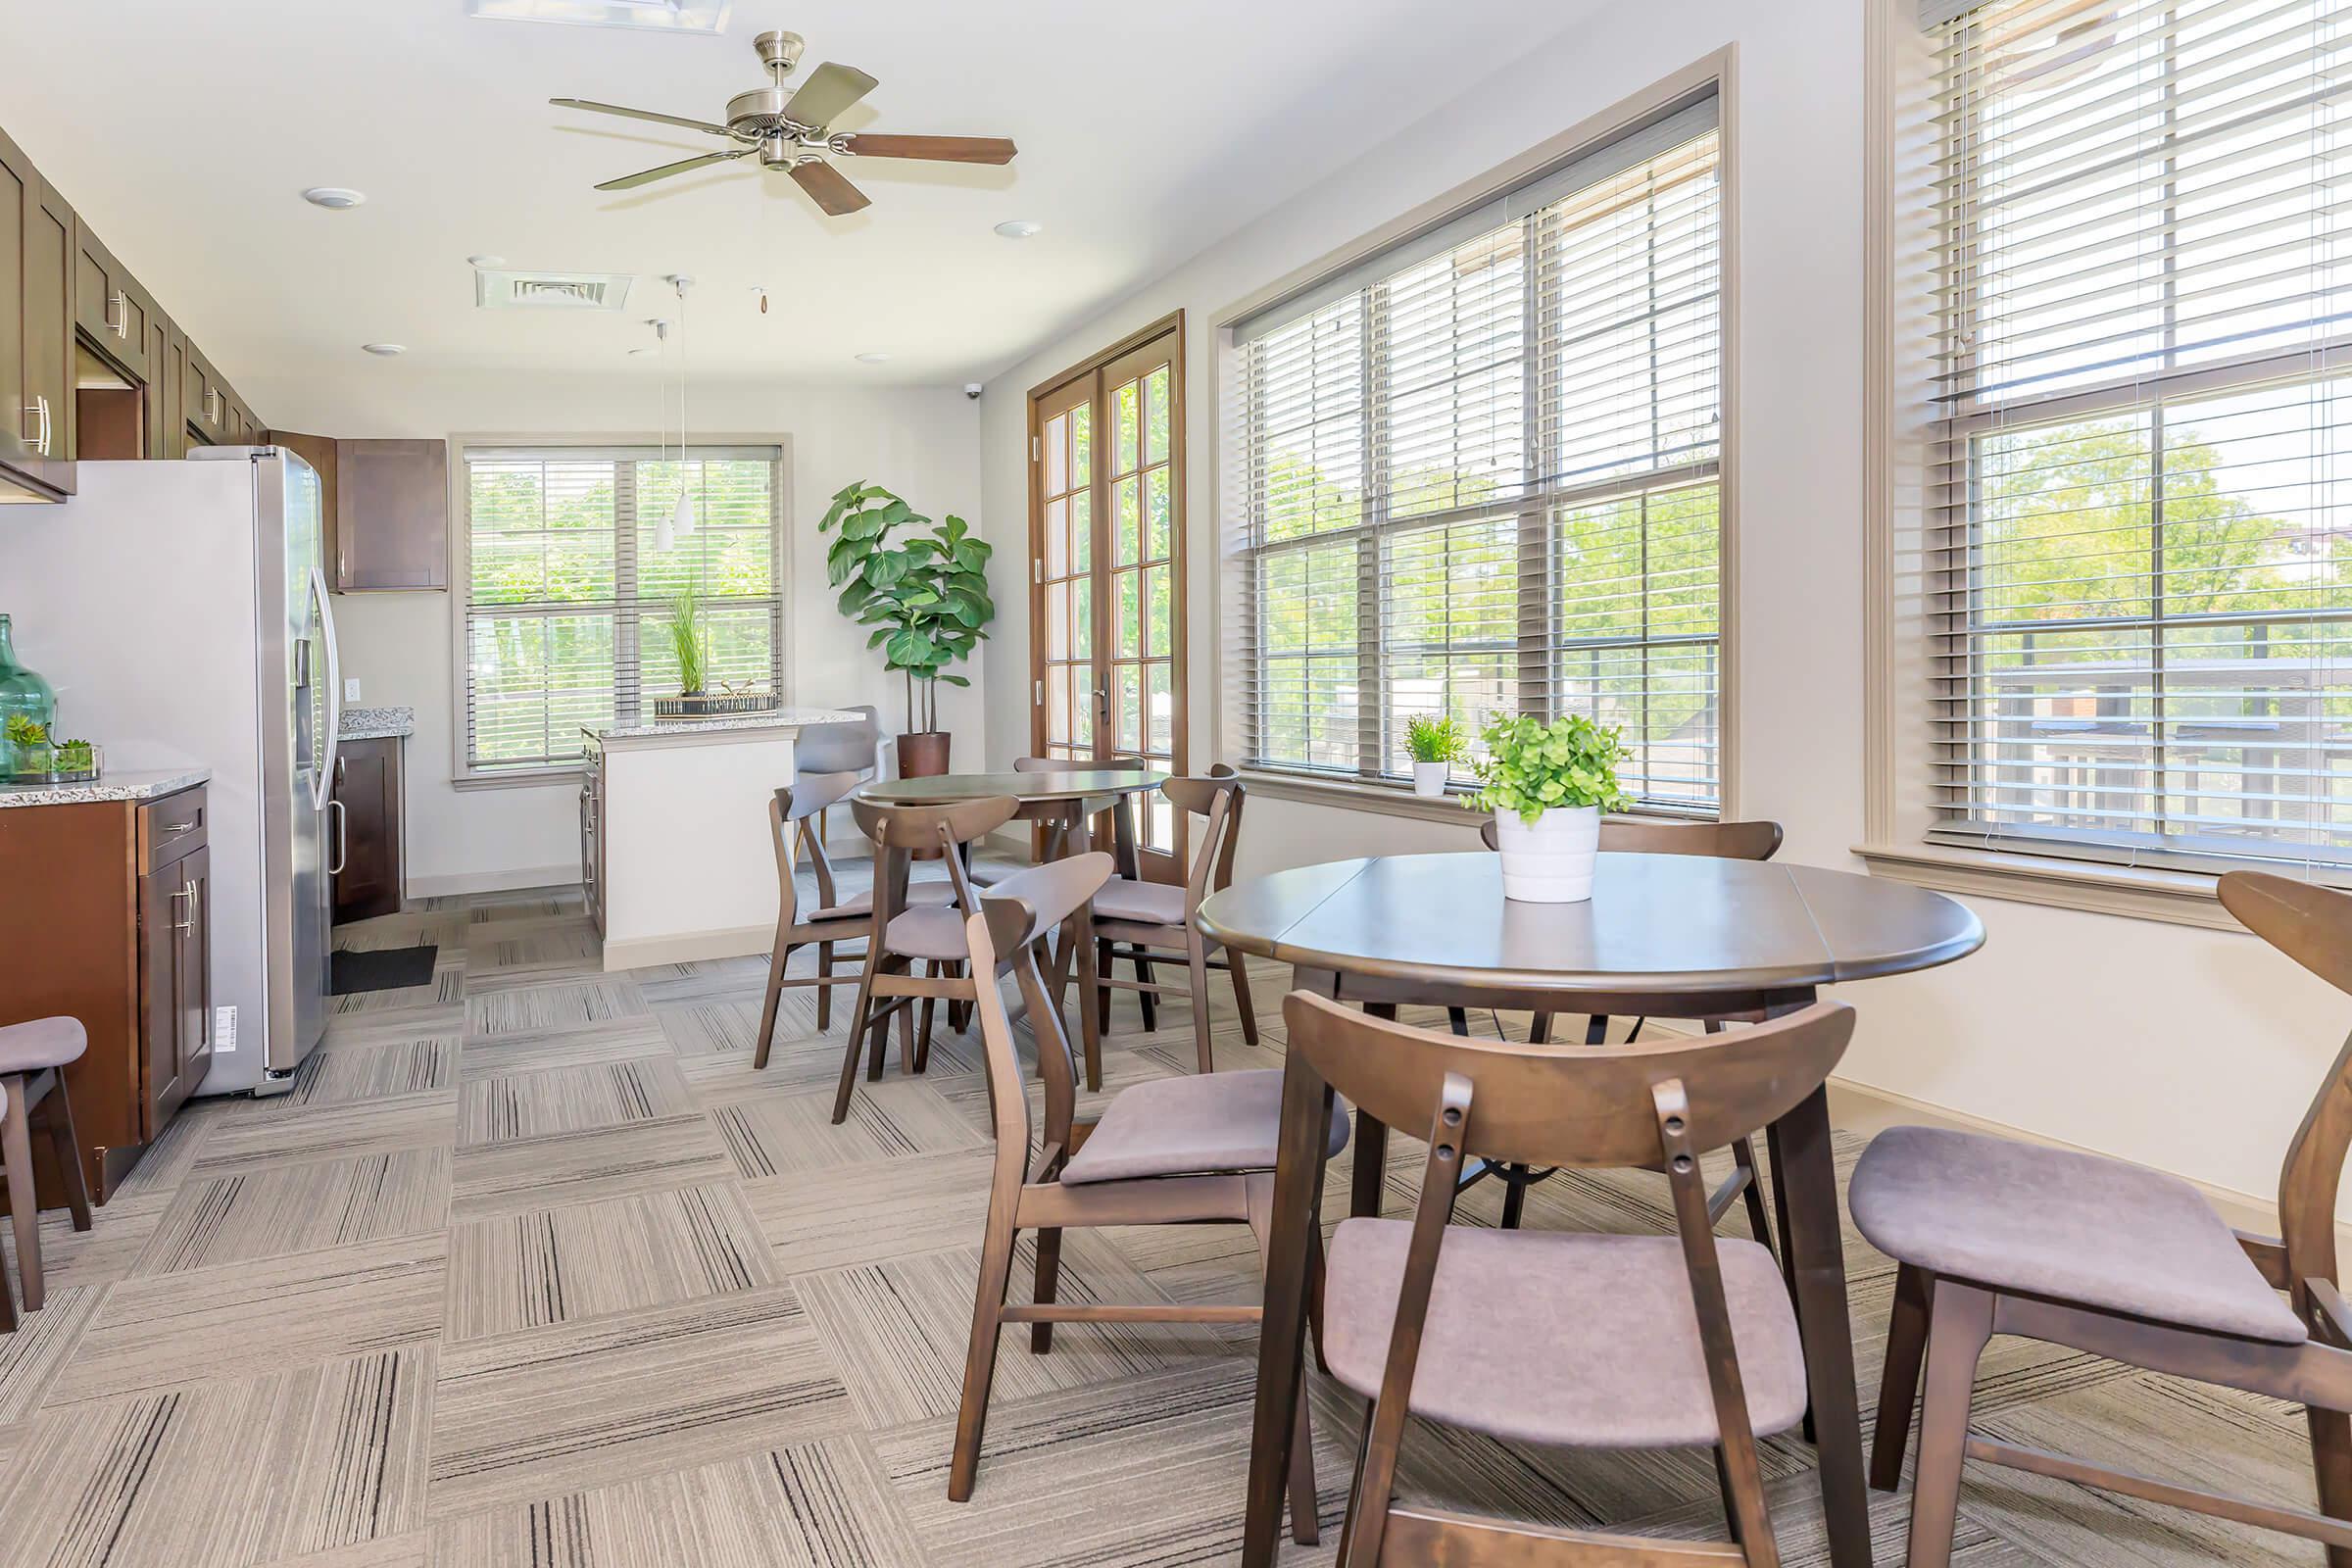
[351, 689]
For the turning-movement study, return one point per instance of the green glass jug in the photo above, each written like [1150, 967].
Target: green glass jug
[22, 695]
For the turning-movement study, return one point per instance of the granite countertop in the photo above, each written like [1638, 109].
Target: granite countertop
[129, 784]
[376, 724]
[774, 718]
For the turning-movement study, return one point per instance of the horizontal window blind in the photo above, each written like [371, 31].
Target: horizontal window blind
[1479, 478]
[2141, 586]
[568, 596]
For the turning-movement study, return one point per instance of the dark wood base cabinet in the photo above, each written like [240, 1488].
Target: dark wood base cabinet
[364, 828]
[107, 917]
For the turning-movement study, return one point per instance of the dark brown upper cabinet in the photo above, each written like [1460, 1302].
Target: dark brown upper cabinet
[48, 395]
[389, 528]
[109, 307]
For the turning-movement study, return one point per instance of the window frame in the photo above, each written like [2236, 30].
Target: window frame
[463, 774]
[1713, 74]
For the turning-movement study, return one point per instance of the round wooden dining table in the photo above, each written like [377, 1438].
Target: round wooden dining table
[1669, 935]
[1064, 801]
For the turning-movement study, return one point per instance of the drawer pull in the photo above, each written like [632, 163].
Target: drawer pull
[178, 827]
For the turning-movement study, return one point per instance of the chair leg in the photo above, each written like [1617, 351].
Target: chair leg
[57, 1114]
[1240, 971]
[905, 1030]
[856, 1039]
[1090, 1040]
[1960, 1322]
[1596, 1029]
[1538, 1029]
[1899, 1382]
[1103, 992]
[24, 1209]
[1144, 1000]
[1759, 1218]
[1195, 968]
[1730, 1505]
[1355, 1481]
[1048, 1285]
[825, 992]
[1306, 1522]
[980, 1362]
[777, 958]
[1458, 1020]
[1514, 1196]
[2331, 1462]
[932, 969]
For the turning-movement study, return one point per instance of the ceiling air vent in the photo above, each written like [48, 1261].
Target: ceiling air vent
[496, 289]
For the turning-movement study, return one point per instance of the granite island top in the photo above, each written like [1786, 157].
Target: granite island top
[774, 718]
[376, 724]
[127, 784]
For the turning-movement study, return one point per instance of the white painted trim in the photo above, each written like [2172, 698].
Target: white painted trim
[643, 953]
[511, 881]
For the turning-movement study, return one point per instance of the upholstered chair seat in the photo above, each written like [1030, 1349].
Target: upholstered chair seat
[1223, 1121]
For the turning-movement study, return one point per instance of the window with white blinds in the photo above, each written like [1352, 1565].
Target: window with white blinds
[568, 594]
[2142, 480]
[1477, 476]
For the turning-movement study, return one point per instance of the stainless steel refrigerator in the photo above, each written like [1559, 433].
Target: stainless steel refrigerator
[182, 612]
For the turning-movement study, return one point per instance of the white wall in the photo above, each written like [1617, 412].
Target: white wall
[921, 441]
[2187, 1048]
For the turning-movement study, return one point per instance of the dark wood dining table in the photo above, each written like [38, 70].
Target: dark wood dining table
[1064, 802]
[1666, 936]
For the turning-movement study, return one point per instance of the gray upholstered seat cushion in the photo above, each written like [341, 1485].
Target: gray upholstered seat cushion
[861, 905]
[42, 1043]
[2058, 1223]
[1213, 1121]
[1147, 902]
[928, 933]
[1563, 1337]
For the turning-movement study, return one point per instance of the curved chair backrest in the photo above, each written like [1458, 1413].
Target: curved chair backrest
[1219, 798]
[846, 748]
[1011, 918]
[800, 809]
[1535, 1104]
[921, 827]
[1725, 841]
[2312, 925]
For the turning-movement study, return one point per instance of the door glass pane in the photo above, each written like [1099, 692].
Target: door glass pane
[1155, 415]
[1057, 544]
[1126, 524]
[1158, 626]
[1127, 402]
[1155, 511]
[1082, 530]
[1082, 616]
[1162, 713]
[1082, 705]
[1081, 444]
[1130, 615]
[1130, 708]
[1057, 702]
[1057, 443]
[1058, 625]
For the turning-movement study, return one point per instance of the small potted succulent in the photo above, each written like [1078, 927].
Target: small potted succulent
[1436, 743]
[34, 758]
[1548, 785]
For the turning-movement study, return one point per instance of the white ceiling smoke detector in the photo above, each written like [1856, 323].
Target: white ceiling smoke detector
[384, 350]
[1020, 228]
[334, 198]
[502, 289]
[651, 15]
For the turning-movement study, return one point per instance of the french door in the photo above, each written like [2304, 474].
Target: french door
[1106, 570]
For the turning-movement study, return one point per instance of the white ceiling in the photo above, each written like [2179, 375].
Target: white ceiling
[185, 131]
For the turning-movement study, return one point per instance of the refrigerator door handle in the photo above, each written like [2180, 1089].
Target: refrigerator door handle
[330, 743]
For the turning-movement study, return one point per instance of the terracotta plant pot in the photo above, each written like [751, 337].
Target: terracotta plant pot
[924, 754]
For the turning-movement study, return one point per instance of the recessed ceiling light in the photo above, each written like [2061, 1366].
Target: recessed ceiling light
[386, 349]
[485, 261]
[1018, 229]
[872, 357]
[662, 16]
[333, 197]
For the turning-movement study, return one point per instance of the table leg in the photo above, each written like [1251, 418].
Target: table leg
[1078, 839]
[1806, 1180]
[1371, 1145]
[1282, 1335]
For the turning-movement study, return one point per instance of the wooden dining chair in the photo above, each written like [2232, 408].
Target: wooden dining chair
[901, 935]
[1135, 919]
[33, 1058]
[1563, 1339]
[1168, 1151]
[797, 813]
[2098, 1255]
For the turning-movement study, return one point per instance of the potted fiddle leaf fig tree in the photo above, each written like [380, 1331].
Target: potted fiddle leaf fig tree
[923, 589]
[1548, 785]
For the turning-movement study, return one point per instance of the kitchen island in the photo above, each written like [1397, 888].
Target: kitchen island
[674, 848]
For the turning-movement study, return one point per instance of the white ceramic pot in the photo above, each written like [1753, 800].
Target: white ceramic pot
[1552, 862]
[1429, 778]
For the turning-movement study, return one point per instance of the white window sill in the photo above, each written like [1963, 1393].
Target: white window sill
[1399, 799]
[2139, 893]
[535, 778]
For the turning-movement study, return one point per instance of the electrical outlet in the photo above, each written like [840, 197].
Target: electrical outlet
[351, 689]
[224, 1031]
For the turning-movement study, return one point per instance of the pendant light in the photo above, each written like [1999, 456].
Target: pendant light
[682, 517]
[664, 536]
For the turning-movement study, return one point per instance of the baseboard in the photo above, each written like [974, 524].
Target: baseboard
[464, 882]
[690, 947]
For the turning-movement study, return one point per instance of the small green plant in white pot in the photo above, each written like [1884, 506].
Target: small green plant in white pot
[1548, 785]
[1436, 744]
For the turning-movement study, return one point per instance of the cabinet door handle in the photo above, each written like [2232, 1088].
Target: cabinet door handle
[38, 409]
[342, 837]
[118, 314]
[187, 891]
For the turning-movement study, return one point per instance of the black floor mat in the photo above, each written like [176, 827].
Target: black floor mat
[385, 969]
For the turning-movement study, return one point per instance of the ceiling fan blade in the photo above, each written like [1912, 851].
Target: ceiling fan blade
[648, 176]
[639, 114]
[827, 188]
[940, 149]
[829, 90]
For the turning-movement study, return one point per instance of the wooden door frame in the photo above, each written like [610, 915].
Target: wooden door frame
[1169, 326]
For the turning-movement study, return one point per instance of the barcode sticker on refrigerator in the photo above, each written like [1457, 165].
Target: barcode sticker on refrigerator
[224, 1031]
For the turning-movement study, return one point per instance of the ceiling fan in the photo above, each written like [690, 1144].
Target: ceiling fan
[787, 128]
